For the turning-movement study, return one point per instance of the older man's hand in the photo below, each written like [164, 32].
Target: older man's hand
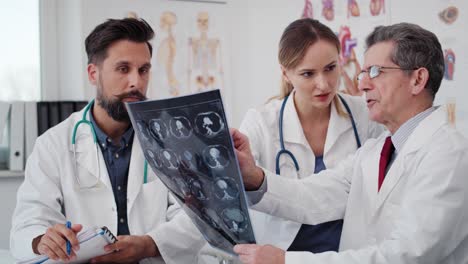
[256, 254]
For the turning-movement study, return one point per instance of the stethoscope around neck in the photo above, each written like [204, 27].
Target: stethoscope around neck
[283, 150]
[85, 121]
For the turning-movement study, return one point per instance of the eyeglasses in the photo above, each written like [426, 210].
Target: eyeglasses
[375, 70]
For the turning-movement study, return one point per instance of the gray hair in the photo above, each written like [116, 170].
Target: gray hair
[415, 48]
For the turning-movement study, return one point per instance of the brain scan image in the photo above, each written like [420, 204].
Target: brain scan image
[153, 158]
[180, 127]
[158, 129]
[226, 189]
[234, 219]
[188, 160]
[209, 124]
[142, 128]
[169, 159]
[216, 156]
[196, 188]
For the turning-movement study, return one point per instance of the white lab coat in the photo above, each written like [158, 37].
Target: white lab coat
[50, 195]
[261, 126]
[419, 216]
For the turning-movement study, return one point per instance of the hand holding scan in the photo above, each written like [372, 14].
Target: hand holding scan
[129, 249]
[53, 242]
[251, 174]
[257, 254]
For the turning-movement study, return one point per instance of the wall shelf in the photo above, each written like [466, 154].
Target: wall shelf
[11, 174]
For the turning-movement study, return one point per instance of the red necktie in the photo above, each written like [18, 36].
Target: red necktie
[385, 157]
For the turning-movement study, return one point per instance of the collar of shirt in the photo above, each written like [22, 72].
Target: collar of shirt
[104, 140]
[402, 134]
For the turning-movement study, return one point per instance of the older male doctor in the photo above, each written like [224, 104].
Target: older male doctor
[403, 196]
[91, 171]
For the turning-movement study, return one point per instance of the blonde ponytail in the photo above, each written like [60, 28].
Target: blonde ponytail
[285, 90]
[339, 107]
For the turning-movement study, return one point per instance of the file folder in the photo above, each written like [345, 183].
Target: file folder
[42, 117]
[30, 125]
[4, 110]
[16, 161]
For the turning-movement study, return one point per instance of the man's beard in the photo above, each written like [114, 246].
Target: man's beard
[115, 108]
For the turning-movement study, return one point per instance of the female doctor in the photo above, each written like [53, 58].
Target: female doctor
[307, 128]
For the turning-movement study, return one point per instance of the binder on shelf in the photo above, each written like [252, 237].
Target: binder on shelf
[66, 109]
[42, 117]
[31, 127]
[92, 243]
[54, 114]
[16, 161]
[4, 111]
[80, 105]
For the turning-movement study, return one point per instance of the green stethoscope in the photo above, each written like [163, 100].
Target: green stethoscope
[93, 132]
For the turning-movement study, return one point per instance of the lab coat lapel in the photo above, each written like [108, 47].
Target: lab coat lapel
[86, 157]
[419, 138]
[135, 172]
[370, 170]
[394, 174]
[336, 127]
[292, 128]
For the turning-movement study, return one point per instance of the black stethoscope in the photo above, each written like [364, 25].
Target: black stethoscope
[283, 150]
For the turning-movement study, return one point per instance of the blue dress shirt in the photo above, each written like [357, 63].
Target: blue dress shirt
[117, 158]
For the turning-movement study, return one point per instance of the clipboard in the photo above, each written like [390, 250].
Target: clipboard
[92, 243]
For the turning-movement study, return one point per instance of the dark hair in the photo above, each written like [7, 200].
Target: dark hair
[415, 47]
[105, 34]
[296, 39]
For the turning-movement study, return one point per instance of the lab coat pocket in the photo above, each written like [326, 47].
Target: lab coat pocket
[89, 167]
[151, 177]
[154, 200]
[149, 190]
[388, 218]
[88, 177]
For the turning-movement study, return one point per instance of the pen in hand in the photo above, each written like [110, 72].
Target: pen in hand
[68, 225]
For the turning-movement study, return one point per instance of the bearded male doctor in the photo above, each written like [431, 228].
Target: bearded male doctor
[97, 177]
[404, 195]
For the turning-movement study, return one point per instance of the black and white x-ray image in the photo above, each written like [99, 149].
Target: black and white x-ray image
[180, 127]
[188, 160]
[225, 189]
[197, 189]
[153, 158]
[158, 129]
[169, 159]
[192, 153]
[216, 156]
[142, 128]
[211, 217]
[209, 124]
[234, 219]
[184, 188]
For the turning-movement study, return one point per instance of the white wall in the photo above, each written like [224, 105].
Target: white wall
[253, 28]
[252, 31]
[62, 50]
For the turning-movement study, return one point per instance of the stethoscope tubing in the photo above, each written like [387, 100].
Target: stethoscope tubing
[283, 150]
